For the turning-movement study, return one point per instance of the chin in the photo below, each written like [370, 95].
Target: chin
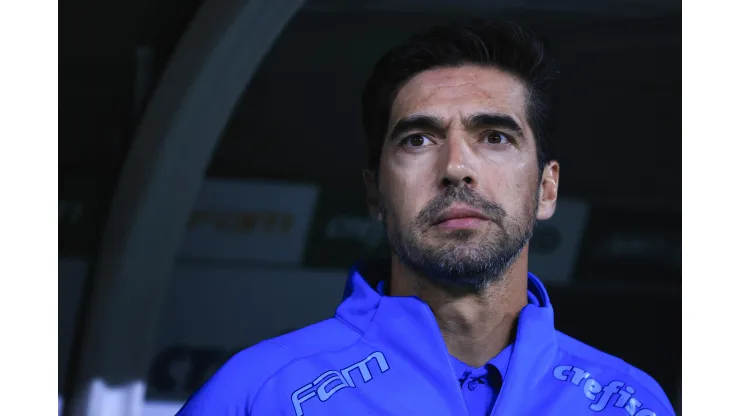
[446, 237]
[456, 261]
[470, 265]
[461, 280]
[461, 235]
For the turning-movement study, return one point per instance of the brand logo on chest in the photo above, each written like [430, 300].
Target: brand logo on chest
[330, 382]
[601, 394]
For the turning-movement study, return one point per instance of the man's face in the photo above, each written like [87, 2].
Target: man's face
[458, 179]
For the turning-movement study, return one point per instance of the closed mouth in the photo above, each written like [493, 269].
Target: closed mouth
[460, 212]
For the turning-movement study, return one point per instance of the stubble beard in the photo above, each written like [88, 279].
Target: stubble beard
[468, 260]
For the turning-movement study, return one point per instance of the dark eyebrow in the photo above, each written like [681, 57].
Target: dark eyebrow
[417, 122]
[436, 125]
[504, 121]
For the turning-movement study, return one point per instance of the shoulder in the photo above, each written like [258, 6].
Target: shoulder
[581, 362]
[235, 386]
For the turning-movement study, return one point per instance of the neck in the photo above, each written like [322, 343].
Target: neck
[475, 326]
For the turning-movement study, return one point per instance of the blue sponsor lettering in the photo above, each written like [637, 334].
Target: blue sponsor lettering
[330, 382]
[600, 395]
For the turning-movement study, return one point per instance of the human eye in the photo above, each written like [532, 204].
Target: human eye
[497, 138]
[415, 140]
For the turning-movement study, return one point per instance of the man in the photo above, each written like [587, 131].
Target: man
[457, 121]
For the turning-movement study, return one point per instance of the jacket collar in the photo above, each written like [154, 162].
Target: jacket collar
[407, 326]
[361, 299]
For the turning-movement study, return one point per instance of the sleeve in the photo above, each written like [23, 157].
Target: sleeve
[233, 388]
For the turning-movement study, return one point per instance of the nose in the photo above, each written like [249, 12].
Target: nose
[458, 164]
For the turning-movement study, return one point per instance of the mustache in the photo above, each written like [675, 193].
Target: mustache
[464, 195]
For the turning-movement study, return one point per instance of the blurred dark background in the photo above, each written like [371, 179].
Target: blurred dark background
[611, 257]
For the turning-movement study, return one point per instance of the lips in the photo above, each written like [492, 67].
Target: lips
[461, 212]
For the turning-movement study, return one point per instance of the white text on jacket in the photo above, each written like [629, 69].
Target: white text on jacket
[593, 389]
[344, 377]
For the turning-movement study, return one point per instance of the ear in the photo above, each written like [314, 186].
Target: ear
[548, 190]
[372, 196]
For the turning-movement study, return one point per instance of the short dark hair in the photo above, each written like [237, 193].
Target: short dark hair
[504, 45]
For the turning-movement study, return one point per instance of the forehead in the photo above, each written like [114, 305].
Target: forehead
[452, 92]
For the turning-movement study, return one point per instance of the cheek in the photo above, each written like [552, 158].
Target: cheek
[403, 194]
[527, 193]
[511, 187]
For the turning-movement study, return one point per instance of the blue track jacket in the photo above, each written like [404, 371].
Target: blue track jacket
[383, 355]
